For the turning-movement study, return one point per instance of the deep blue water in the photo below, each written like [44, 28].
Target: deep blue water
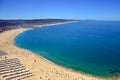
[91, 47]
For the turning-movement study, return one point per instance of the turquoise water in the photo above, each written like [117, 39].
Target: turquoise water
[91, 47]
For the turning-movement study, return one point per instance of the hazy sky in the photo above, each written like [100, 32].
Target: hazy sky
[76, 9]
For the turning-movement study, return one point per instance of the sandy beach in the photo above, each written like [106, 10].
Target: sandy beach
[41, 68]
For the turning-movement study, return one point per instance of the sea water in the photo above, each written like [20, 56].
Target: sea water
[91, 47]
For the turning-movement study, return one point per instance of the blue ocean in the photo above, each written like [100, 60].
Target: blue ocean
[91, 47]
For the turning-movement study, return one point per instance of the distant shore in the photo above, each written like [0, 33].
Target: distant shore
[55, 24]
[42, 68]
[15, 24]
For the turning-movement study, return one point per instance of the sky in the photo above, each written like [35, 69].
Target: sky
[64, 9]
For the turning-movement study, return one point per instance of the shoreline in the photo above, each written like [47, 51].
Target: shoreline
[55, 24]
[45, 65]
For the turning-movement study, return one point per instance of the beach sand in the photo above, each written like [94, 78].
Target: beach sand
[41, 68]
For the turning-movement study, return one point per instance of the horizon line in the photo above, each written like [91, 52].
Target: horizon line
[61, 18]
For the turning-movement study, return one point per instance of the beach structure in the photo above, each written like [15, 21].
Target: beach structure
[12, 69]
